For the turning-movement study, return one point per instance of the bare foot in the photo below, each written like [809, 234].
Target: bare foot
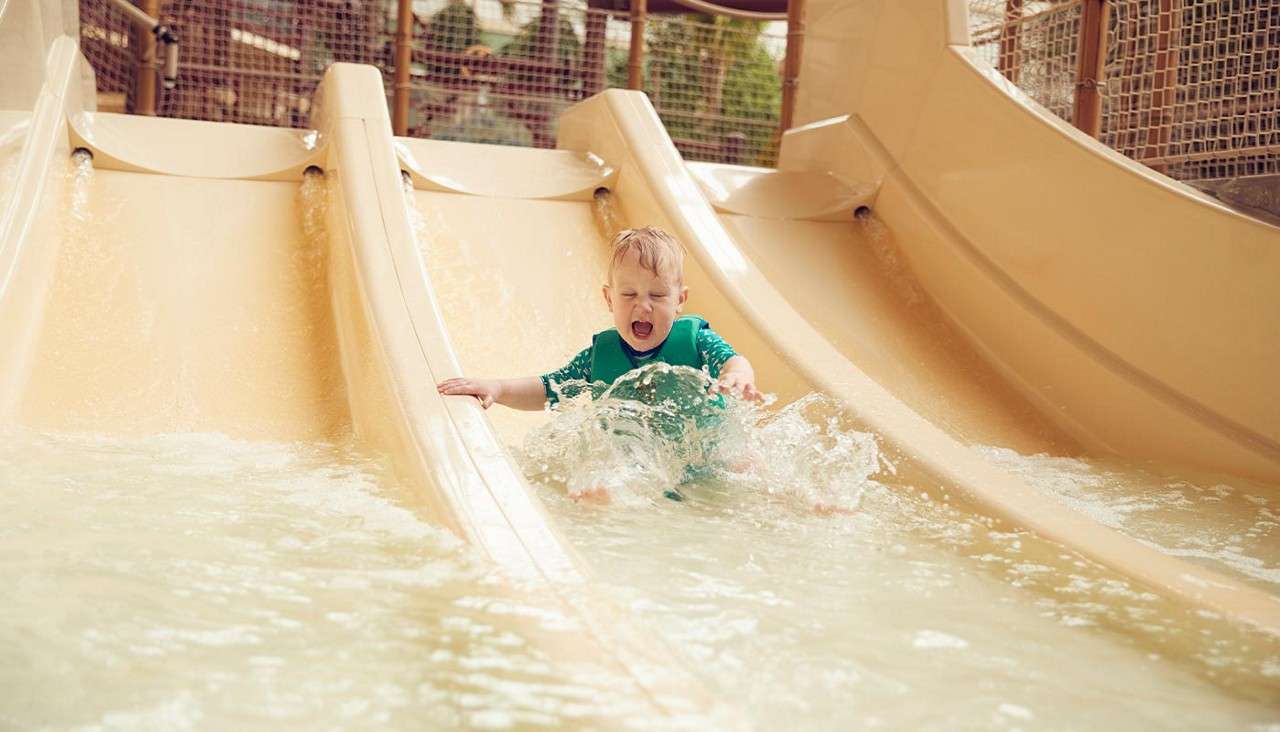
[831, 509]
[595, 494]
[740, 463]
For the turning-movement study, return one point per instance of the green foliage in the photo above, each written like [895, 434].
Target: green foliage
[709, 69]
[453, 28]
[561, 85]
[525, 43]
[490, 127]
[753, 91]
[616, 68]
[709, 78]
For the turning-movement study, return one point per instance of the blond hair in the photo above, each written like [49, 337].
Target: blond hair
[658, 251]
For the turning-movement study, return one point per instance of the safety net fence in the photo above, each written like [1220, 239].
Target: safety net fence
[493, 71]
[1188, 87]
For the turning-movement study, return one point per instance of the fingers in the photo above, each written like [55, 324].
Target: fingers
[455, 386]
[466, 387]
[737, 387]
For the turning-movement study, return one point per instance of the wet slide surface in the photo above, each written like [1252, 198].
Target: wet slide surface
[183, 304]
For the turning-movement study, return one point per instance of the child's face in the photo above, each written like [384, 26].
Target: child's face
[644, 304]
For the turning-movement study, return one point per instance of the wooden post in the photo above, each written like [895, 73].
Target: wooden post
[404, 59]
[1008, 62]
[791, 66]
[545, 47]
[144, 84]
[1158, 116]
[594, 73]
[635, 61]
[1087, 115]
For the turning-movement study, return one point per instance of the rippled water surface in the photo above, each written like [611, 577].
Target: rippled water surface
[1227, 523]
[818, 598]
[195, 581]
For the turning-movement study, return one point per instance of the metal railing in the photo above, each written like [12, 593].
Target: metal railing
[1188, 87]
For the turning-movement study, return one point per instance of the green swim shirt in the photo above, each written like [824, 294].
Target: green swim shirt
[713, 351]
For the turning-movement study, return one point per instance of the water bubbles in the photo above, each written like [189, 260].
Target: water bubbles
[658, 432]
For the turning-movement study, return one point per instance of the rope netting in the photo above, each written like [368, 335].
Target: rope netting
[1034, 44]
[107, 41]
[1193, 86]
[481, 70]
[1189, 87]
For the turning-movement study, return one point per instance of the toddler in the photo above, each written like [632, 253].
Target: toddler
[646, 294]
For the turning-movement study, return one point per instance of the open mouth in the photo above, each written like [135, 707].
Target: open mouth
[641, 329]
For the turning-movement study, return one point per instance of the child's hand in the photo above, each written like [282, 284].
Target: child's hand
[487, 391]
[738, 384]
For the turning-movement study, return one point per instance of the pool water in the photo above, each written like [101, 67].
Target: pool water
[818, 598]
[1227, 523]
[196, 581]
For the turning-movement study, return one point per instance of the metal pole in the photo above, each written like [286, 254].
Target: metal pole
[144, 85]
[791, 66]
[404, 57]
[635, 61]
[1093, 40]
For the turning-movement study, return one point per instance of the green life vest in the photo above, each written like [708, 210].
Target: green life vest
[609, 360]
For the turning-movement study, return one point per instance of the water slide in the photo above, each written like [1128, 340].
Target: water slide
[846, 270]
[231, 311]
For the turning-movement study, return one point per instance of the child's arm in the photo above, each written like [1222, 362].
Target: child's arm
[731, 370]
[530, 393]
[737, 377]
[523, 393]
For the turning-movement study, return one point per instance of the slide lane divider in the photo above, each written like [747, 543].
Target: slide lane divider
[453, 447]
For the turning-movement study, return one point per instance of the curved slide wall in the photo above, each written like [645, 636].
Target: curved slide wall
[1137, 314]
[206, 297]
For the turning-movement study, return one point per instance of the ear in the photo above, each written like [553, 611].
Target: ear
[684, 295]
[608, 298]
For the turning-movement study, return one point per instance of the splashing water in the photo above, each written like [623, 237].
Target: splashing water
[804, 586]
[656, 432]
[80, 175]
[890, 257]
